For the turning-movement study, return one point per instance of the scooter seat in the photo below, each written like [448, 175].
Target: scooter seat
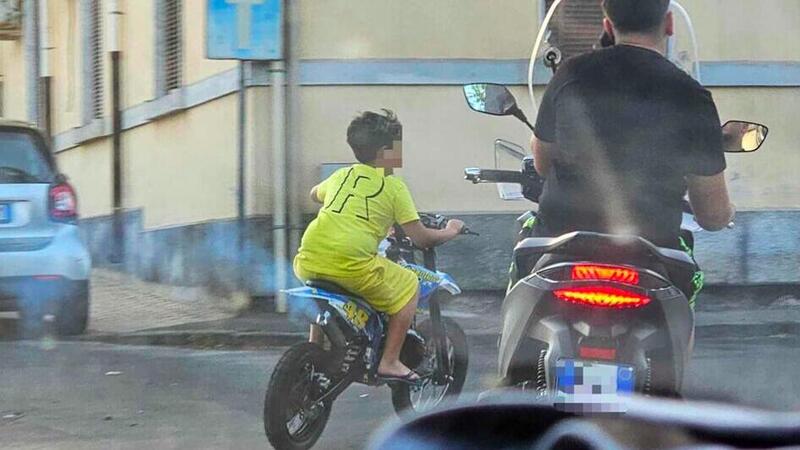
[601, 246]
[330, 287]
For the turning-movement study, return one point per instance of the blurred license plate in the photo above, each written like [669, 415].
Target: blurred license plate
[5, 213]
[584, 386]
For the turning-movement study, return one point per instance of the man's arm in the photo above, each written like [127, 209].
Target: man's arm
[705, 162]
[426, 238]
[710, 201]
[543, 142]
[542, 155]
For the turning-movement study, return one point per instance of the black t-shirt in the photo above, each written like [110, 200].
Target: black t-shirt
[629, 126]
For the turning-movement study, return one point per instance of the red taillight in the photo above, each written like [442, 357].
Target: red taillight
[63, 203]
[582, 272]
[608, 354]
[602, 297]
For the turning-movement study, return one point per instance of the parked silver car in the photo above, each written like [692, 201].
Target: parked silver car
[44, 264]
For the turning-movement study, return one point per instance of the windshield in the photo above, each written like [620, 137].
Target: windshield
[570, 29]
[21, 160]
[288, 223]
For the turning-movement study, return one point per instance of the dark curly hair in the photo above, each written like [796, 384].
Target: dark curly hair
[636, 16]
[370, 132]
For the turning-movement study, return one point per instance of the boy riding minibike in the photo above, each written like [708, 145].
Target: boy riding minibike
[362, 304]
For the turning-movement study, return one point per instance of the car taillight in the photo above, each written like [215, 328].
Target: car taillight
[583, 272]
[63, 203]
[602, 297]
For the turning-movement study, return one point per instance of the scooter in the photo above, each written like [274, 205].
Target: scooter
[591, 318]
[595, 317]
[309, 377]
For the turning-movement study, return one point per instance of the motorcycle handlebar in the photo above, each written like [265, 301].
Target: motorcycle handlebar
[439, 222]
[495, 176]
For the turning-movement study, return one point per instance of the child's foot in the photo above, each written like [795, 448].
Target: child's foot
[397, 372]
[411, 378]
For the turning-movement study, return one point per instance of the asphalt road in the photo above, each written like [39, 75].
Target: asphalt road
[99, 396]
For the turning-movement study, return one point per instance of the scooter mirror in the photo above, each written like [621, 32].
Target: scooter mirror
[494, 99]
[743, 137]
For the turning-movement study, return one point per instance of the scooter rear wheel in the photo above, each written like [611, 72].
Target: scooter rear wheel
[292, 420]
[430, 394]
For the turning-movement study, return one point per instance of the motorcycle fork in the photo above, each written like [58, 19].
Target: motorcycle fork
[439, 336]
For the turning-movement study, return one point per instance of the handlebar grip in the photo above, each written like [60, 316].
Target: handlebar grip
[502, 176]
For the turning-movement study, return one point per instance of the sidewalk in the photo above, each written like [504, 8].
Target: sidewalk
[121, 303]
[129, 311]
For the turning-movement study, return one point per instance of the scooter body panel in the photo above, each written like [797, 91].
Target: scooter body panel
[539, 330]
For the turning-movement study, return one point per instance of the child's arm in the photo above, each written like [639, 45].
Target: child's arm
[315, 194]
[426, 237]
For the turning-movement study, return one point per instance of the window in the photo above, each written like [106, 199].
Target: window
[22, 159]
[577, 26]
[93, 61]
[170, 46]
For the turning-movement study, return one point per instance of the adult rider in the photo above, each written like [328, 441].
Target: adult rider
[622, 134]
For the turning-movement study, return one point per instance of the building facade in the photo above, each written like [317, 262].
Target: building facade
[179, 131]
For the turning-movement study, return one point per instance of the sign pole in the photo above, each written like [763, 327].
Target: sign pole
[252, 30]
[240, 183]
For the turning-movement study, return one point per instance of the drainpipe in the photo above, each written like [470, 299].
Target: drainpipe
[278, 75]
[294, 143]
[45, 75]
[30, 35]
[114, 48]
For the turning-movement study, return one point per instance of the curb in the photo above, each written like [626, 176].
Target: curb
[255, 340]
[212, 340]
[200, 339]
[744, 331]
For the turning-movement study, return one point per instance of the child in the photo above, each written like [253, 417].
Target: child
[360, 205]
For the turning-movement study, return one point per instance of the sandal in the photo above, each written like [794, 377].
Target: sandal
[411, 378]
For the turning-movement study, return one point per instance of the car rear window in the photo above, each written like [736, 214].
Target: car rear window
[21, 160]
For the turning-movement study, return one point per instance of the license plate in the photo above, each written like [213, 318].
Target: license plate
[5, 213]
[584, 386]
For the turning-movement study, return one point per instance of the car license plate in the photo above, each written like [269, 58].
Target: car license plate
[585, 386]
[5, 213]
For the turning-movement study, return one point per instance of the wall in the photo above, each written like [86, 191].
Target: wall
[14, 81]
[181, 168]
[417, 28]
[411, 56]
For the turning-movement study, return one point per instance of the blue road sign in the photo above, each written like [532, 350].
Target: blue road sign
[244, 29]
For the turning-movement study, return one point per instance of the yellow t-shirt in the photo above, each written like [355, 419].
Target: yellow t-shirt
[360, 204]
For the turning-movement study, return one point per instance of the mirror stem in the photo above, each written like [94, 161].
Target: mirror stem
[517, 112]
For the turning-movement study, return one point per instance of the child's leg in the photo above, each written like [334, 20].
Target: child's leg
[315, 334]
[398, 327]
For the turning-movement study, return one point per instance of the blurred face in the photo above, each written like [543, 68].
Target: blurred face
[391, 157]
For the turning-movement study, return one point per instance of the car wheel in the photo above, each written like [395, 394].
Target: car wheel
[73, 316]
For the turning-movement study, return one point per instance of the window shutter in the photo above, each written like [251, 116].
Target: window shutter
[95, 57]
[576, 26]
[170, 52]
[91, 60]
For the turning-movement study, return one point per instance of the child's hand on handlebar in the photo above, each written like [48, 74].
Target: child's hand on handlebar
[454, 226]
